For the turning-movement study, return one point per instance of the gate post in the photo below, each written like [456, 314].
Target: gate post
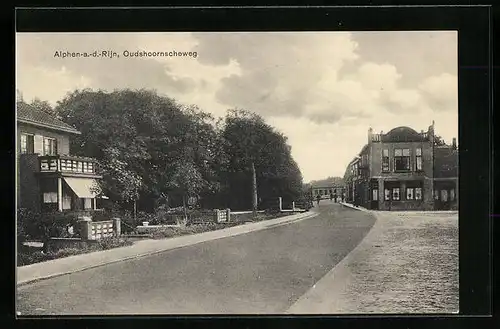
[117, 226]
[85, 225]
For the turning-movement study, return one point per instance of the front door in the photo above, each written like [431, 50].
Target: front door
[374, 194]
[442, 199]
[374, 199]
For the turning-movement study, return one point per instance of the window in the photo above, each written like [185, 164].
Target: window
[401, 159]
[452, 195]
[66, 202]
[444, 195]
[27, 144]
[395, 193]
[418, 193]
[410, 193]
[418, 159]
[87, 203]
[375, 194]
[49, 146]
[387, 194]
[385, 160]
[436, 195]
[50, 197]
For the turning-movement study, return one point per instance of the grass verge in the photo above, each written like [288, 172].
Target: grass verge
[29, 255]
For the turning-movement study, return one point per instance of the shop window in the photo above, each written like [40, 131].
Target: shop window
[436, 195]
[418, 193]
[395, 193]
[375, 194]
[452, 195]
[444, 195]
[387, 194]
[410, 193]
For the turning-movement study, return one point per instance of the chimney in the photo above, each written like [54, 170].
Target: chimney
[370, 135]
[454, 144]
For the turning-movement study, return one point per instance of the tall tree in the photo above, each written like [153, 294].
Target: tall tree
[259, 161]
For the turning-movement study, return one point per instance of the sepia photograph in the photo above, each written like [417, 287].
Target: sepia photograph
[289, 173]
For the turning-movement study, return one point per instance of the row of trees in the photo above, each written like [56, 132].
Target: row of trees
[153, 150]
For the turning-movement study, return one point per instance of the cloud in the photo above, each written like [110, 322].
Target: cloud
[415, 54]
[322, 89]
[38, 50]
[441, 92]
[281, 73]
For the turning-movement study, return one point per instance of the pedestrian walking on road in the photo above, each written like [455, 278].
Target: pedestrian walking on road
[318, 197]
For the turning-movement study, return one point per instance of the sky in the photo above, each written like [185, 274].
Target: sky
[323, 90]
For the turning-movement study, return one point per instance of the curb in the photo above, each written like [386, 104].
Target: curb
[258, 227]
[347, 205]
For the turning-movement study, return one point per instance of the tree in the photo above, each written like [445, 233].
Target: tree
[44, 106]
[439, 141]
[141, 140]
[259, 161]
[188, 182]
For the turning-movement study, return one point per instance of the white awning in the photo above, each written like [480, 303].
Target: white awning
[83, 187]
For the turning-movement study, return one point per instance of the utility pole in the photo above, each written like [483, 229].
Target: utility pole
[254, 190]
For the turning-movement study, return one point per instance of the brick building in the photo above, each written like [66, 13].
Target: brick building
[403, 170]
[48, 177]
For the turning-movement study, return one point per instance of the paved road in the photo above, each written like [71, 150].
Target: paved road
[259, 272]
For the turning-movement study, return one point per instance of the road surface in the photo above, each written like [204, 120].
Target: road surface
[262, 272]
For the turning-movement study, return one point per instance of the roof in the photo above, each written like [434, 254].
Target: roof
[445, 162]
[328, 186]
[364, 150]
[30, 115]
[402, 134]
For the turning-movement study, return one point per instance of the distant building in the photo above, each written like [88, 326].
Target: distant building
[324, 191]
[48, 177]
[404, 170]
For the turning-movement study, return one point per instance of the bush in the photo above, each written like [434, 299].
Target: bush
[40, 226]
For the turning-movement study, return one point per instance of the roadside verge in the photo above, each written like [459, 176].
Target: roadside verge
[62, 266]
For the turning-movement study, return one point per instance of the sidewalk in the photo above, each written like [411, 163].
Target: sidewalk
[67, 265]
[407, 263]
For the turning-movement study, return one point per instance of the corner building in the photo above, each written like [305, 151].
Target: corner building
[396, 171]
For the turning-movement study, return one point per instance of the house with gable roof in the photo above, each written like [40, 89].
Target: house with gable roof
[49, 178]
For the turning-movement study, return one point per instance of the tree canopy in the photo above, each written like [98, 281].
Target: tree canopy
[150, 146]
